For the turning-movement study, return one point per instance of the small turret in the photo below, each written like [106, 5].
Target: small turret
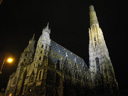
[32, 40]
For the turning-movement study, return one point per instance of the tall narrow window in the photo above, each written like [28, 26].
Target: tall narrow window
[31, 79]
[39, 58]
[46, 47]
[94, 38]
[97, 63]
[26, 54]
[42, 46]
[40, 75]
[58, 64]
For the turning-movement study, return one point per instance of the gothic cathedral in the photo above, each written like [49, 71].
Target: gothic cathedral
[52, 70]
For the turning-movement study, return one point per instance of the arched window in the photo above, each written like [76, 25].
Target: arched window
[46, 47]
[42, 46]
[58, 64]
[31, 77]
[95, 39]
[39, 58]
[40, 75]
[26, 54]
[97, 63]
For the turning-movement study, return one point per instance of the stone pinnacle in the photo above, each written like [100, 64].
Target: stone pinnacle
[93, 17]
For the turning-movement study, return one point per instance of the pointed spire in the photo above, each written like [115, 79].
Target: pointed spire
[93, 17]
[47, 28]
[33, 37]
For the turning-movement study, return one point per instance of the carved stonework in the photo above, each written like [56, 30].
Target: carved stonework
[52, 70]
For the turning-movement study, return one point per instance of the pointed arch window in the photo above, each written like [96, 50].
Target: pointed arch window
[46, 47]
[26, 54]
[42, 46]
[39, 58]
[40, 75]
[58, 64]
[95, 39]
[31, 77]
[97, 63]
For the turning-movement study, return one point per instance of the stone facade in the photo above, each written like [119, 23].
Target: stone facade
[52, 70]
[101, 69]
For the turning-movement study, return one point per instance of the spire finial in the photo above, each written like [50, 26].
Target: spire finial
[32, 39]
[93, 17]
[46, 28]
[33, 36]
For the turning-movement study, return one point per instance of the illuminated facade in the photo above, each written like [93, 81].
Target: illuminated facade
[52, 70]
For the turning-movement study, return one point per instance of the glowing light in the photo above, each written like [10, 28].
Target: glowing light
[9, 60]
[10, 94]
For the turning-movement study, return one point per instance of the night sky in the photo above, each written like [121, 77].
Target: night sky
[69, 23]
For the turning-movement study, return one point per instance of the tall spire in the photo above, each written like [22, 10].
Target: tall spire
[101, 69]
[93, 17]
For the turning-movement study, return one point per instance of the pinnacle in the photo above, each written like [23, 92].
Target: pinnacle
[33, 36]
[91, 7]
[93, 17]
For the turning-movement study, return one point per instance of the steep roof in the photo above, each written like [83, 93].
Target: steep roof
[60, 53]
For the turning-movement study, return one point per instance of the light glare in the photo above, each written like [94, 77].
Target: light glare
[9, 60]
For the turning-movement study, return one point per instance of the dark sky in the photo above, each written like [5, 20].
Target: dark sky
[69, 23]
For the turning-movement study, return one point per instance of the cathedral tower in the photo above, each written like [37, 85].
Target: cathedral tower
[25, 60]
[43, 46]
[15, 86]
[102, 72]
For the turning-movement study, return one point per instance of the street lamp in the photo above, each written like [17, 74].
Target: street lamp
[8, 60]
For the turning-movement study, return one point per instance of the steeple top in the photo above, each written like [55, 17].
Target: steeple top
[33, 37]
[91, 8]
[46, 29]
[93, 17]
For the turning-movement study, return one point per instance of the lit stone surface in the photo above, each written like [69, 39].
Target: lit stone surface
[102, 72]
[52, 70]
